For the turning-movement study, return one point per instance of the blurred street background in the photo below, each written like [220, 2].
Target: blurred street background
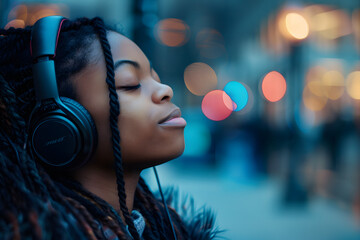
[271, 94]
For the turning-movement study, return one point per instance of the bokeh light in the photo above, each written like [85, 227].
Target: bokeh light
[355, 19]
[314, 80]
[30, 13]
[313, 102]
[200, 78]
[293, 24]
[16, 23]
[210, 43]
[18, 12]
[316, 87]
[238, 94]
[273, 86]
[172, 32]
[331, 24]
[296, 25]
[217, 105]
[353, 85]
[44, 11]
[333, 82]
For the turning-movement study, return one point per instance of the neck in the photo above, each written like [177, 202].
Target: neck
[102, 182]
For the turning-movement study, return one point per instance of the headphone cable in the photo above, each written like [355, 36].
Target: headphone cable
[163, 200]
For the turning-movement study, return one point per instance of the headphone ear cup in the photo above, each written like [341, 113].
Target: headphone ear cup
[81, 111]
[64, 138]
[89, 128]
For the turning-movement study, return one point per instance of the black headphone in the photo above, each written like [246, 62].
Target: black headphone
[62, 133]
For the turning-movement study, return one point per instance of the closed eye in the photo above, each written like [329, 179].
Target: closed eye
[130, 88]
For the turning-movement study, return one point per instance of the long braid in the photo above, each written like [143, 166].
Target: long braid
[89, 218]
[56, 194]
[9, 116]
[107, 219]
[25, 201]
[117, 226]
[11, 218]
[157, 221]
[17, 125]
[157, 207]
[102, 203]
[114, 113]
[143, 205]
[14, 39]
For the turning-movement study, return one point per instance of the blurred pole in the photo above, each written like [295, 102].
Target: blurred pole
[295, 189]
[145, 19]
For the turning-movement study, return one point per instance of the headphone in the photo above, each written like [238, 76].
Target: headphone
[61, 133]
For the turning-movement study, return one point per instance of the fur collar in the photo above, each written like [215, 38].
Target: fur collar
[200, 223]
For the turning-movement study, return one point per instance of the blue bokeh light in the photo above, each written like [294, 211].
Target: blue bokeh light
[238, 94]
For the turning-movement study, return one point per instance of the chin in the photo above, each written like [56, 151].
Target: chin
[171, 156]
[155, 158]
[169, 151]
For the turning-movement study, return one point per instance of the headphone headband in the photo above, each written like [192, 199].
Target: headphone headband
[44, 36]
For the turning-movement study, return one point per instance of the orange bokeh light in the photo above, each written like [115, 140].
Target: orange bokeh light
[18, 12]
[312, 101]
[297, 25]
[200, 78]
[353, 85]
[210, 43]
[273, 86]
[333, 82]
[16, 23]
[172, 32]
[356, 26]
[41, 13]
[29, 14]
[293, 24]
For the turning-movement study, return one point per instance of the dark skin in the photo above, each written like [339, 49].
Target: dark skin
[144, 141]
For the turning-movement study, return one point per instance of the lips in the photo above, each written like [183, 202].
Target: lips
[176, 113]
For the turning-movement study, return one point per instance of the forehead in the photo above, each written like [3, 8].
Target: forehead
[124, 48]
[92, 77]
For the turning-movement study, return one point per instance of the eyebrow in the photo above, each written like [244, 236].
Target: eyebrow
[118, 63]
[121, 62]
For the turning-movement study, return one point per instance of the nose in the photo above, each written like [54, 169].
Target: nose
[162, 93]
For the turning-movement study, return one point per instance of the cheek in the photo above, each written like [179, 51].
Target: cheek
[98, 106]
[136, 127]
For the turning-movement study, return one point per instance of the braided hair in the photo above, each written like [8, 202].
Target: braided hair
[36, 203]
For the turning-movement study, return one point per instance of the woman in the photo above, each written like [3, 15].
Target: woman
[105, 198]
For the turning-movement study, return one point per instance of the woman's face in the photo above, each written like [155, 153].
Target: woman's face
[144, 103]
